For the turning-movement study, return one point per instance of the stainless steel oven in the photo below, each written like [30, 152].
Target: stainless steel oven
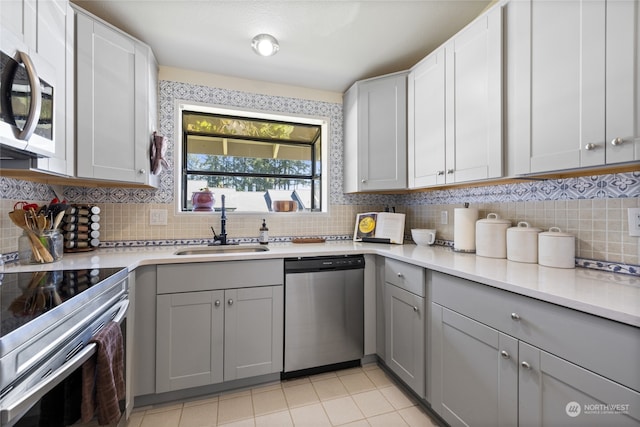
[27, 105]
[47, 320]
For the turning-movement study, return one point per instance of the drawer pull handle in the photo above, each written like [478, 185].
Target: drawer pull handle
[515, 316]
[400, 275]
[230, 302]
[217, 303]
[526, 365]
[505, 355]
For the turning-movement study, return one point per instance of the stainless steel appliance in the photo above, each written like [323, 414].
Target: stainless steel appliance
[324, 313]
[46, 321]
[26, 105]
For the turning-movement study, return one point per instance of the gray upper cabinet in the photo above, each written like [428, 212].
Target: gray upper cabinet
[513, 360]
[375, 134]
[44, 29]
[455, 108]
[572, 72]
[116, 96]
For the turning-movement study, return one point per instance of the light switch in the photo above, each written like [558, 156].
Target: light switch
[157, 217]
[444, 217]
[634, 221]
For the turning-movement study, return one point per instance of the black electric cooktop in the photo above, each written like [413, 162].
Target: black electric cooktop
[29, 295]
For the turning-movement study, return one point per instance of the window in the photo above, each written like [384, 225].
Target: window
[253, 159]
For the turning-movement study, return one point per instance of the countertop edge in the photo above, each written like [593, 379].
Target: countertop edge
[441, 259]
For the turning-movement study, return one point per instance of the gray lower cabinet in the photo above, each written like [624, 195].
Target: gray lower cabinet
[471, 383]
[208, 337]
[501, 359]
[217, 322]
[405, 323]
[555, 392]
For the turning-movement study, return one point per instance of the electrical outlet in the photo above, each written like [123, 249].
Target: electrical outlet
[444, 217]
[634, 221]
[157, 217]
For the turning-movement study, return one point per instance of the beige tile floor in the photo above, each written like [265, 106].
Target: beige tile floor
[355, 397]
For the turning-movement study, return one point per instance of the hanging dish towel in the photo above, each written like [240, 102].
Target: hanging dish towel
[157, 154]
[103, 377]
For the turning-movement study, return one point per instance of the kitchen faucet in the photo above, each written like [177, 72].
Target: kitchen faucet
[221, 239]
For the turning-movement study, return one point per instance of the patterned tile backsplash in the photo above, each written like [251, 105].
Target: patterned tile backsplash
[593, 208]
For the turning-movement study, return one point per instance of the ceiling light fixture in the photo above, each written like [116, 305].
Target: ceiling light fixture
[265, 45]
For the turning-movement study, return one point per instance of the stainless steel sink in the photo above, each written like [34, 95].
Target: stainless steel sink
[225, 249]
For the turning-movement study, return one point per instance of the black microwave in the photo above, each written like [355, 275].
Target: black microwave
[26, 108]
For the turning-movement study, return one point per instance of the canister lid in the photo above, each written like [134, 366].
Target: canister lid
[556, 232]
[524, 227]
[494, 218]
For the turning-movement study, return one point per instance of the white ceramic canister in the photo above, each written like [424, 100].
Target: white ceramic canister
[557, 249]
[491, 236]
[522, 243]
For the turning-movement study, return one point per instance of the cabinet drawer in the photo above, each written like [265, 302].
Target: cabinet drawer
[208, 276]
[608, 348]
[405, 276]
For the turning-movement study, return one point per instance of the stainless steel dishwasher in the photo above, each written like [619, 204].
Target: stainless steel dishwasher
[324, 313]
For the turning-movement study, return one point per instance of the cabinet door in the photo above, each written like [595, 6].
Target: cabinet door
[474, 373]
[405, 336]
[253, 331]
[113, 84]
[382, 128]
[18, 22]
[189, 340]
[556, 86]
[555, 392]
[623, 74]
[426, 122]
[53, 61]
[474, 100]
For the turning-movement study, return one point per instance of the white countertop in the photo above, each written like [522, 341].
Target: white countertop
[609, 295]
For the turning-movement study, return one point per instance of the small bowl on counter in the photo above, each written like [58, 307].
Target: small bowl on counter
[284, 206]
[423, 236]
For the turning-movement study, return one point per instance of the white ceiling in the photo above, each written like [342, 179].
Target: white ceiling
[324, 45]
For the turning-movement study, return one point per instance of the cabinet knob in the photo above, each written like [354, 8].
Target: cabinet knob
[230, 302]
[363, 180]
[400, 275]
[440, 173]
[415, 308]
[525, 365]
[505, 355]
[617, 141]
[217, 303]
[515, 316]
[142, 171]
[590, 146]
[450, 171]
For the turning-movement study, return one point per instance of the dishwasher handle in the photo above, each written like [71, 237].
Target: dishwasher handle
[312, 264]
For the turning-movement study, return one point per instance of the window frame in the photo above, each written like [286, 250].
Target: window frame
[180, 152]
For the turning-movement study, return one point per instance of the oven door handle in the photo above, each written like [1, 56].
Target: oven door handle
[20, 406]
